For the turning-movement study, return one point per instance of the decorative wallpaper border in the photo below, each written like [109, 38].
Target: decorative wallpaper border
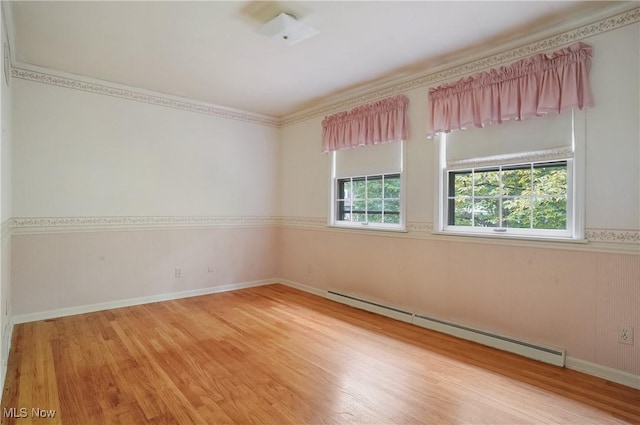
[45, 224]
[613, 235]
[158, 100]
[38, 224]
[420, 227]
[576, 34]
[316, 222]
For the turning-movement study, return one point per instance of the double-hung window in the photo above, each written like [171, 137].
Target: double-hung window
[369, 199]
[514, 178]
[518, 179]
[367, 157]
[367, 187]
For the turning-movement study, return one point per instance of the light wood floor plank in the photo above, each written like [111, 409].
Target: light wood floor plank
[274, 355]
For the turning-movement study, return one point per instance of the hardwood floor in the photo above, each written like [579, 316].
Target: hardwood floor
[275, 355]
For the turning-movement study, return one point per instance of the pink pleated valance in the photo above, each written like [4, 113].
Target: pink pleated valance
[380, 122]
[530, 87]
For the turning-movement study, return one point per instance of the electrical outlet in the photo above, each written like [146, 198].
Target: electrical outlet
[625, 335]
[178, 272]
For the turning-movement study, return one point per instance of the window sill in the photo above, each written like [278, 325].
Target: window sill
[368, 228]
[503, 236]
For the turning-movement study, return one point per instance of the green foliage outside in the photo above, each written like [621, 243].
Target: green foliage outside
[371, 196]
[532, 197]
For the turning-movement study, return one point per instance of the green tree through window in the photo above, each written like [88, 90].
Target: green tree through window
[529, 196]
[369, 199]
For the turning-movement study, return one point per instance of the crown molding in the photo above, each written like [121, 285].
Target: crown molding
[57, 78]
[508, 53]
[452, 71]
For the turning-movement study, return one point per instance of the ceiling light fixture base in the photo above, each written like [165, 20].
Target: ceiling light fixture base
[286, 29]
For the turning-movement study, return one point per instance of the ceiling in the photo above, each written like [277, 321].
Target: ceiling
[210, 50]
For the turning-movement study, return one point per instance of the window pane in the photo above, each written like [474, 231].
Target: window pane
[343, 211]
[375, 218]
[392, 187]
[374, 206]
[461, 184]
[550, 213]
[374, 188]
[359, 206]
[516, 181]
[486, 212]
[359, 218]
[516, 213]
[486, 183]
[359, 187]
[344, 189]
[392, 218]
[462, 212]
[522, 196]
[374, 199]
[391, 206]
[550, 179]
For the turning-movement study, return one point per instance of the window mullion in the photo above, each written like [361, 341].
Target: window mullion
[500, 193]
[366, 199]
[473, 197]
[382, 200]
[351, 199]
[531, 198]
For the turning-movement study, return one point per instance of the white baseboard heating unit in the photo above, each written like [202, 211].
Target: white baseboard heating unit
[554, 356]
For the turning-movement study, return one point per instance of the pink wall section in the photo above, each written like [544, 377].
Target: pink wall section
[563, 298]
[559, 297]
[61, 270]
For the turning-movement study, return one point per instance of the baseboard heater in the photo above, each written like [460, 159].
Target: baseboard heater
[362, 304]
[554, 356]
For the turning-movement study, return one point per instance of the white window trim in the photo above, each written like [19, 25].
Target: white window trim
[575, 156]
[333, 186]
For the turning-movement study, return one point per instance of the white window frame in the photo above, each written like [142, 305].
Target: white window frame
[574, 155]
[333, 199]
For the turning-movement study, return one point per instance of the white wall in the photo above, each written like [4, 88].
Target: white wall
[613, 129]
[5, 207]
[568, 296]
[82, 154]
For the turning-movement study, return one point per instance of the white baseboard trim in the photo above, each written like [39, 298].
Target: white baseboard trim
[70, 311]
[305, 288]
[604, 372]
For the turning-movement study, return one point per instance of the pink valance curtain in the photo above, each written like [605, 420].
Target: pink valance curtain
[380, 122]
[530, 87]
